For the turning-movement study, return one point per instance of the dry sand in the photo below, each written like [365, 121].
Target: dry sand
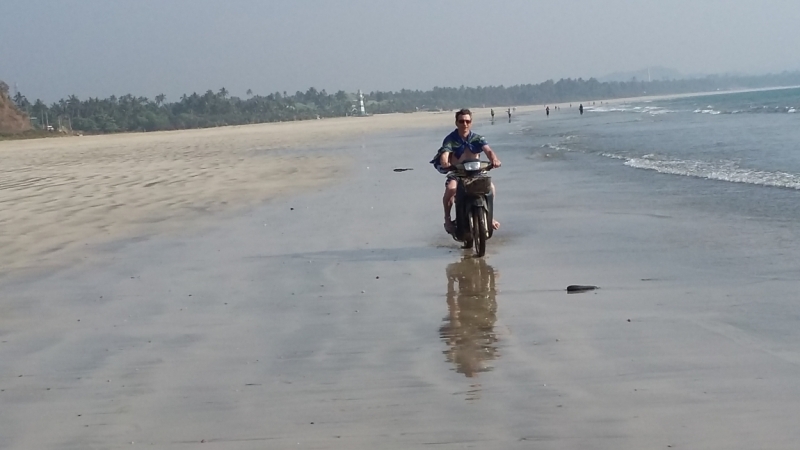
[58, 195]
[342, 317]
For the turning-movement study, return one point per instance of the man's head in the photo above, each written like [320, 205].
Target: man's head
[463, 120]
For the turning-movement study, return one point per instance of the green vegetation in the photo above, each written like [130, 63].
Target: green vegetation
[129, 113]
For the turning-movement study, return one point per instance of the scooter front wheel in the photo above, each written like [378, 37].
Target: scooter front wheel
[478, 226]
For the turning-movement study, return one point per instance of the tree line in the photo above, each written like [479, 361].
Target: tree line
[130, 113]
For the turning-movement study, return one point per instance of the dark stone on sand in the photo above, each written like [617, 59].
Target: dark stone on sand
[576, 288]
[401, 170]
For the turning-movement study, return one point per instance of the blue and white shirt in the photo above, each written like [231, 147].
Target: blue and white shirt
[454, 143]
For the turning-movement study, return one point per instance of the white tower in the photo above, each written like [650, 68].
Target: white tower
[361, 103]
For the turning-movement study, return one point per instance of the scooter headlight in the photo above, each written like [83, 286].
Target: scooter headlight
[472, 166]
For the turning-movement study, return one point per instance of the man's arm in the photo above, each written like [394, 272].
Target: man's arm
[444, 158]
[491, 155]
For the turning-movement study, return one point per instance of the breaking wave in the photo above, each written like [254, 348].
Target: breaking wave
[627, 108]
[722, 171]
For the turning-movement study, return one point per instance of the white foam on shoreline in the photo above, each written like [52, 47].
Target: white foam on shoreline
[721, 171]
[623, 108]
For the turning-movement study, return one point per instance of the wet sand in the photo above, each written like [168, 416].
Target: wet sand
[339, 315]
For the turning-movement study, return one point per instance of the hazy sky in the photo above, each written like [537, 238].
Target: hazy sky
[54, 48]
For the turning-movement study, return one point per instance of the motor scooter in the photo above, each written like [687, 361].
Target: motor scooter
[474, 205]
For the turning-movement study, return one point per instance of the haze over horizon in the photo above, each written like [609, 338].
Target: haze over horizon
[52, 49]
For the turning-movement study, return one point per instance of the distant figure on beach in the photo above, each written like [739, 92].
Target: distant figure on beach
[492, 114]
[509, 115]
[547, 110]
[580, 108]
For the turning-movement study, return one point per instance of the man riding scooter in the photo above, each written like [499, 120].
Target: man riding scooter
[461, 145]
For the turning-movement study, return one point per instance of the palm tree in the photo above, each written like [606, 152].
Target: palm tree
[160, 99]
[249, 92]
[223, 92]
[74, 104]
[20, 99]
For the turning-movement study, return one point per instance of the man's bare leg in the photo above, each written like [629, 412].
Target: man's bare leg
[447, 201]
[495, 224]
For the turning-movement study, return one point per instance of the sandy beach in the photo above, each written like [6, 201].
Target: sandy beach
[59, 195]
[280, 286]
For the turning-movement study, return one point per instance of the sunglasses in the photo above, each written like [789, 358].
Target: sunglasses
[464, 122]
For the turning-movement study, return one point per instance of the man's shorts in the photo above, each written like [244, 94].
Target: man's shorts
[451, 176]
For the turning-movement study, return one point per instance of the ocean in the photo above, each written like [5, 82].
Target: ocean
[727, 152]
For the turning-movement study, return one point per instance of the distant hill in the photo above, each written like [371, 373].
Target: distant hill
[12, 120]
[656, 73]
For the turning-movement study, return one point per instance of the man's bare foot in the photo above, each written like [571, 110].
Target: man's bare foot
[495, 224]
[449, 227]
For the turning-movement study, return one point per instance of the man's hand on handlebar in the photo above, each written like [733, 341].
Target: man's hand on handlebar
[496, 163]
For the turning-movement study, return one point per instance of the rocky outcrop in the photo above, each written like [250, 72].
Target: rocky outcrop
[12, 120]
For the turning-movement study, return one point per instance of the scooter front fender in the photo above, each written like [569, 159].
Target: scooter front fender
[479, 202]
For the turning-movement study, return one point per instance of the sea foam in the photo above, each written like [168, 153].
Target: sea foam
[723, 171]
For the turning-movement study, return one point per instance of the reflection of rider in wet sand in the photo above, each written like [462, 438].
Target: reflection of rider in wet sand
[469, 328]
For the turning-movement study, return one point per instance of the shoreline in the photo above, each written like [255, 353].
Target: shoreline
[65, 194]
